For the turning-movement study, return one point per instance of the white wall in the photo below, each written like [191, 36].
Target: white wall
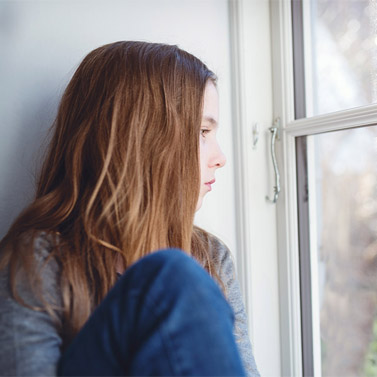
[42, 43]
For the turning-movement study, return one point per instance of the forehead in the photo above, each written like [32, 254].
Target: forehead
[211, 104]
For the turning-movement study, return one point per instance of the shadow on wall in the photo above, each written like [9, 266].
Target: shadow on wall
[25, 131]
[29, 96]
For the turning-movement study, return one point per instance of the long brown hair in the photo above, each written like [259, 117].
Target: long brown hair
[121, 176]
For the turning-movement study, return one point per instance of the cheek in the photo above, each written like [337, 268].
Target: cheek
[202, 156]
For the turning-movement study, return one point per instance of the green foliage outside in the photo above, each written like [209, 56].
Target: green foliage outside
[370, 365]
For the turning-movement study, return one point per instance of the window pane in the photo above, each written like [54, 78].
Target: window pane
[343, 219]
[342, 60]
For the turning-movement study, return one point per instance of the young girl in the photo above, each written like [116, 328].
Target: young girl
[83, 289]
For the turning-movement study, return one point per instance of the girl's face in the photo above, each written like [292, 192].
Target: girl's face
[211, 156]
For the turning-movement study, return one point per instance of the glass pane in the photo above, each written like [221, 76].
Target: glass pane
[342, 169]
[342, 60]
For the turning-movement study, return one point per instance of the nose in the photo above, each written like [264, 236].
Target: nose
[218, 158]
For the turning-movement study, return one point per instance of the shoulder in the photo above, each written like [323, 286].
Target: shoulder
[41, 242]
[223, 262]
[29, 336]
[221, 258]
[33, 264]
[217, 247]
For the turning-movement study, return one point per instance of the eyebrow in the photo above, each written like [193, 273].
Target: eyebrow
[210, 120]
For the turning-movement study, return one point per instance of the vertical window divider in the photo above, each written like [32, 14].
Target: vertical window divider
[298, 59]
[304, 256]
[287, 224]
[316, 328]
[298, 35]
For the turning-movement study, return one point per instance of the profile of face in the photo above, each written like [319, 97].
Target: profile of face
[211, 156]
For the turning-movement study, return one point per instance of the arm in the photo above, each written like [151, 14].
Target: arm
[226, 272]
[29, 340]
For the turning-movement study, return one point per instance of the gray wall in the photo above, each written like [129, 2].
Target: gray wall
[42, 42]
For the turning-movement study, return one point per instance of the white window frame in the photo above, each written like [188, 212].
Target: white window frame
[287, 219]
[257, 262]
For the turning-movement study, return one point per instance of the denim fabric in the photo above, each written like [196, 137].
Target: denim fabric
[165, 316]
[31, 342]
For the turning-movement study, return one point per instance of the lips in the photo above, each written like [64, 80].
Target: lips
[208, 184]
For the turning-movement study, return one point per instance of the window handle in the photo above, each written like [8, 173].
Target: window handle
[274, 135]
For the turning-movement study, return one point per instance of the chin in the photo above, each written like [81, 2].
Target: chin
[200, 201]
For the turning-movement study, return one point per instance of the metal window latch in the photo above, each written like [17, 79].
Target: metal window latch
[275, 129]
[255, 135]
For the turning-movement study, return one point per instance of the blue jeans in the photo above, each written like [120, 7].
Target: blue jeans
[165, 317]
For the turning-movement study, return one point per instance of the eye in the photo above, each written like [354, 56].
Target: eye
[204, 132]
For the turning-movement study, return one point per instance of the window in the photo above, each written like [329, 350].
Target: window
[342, 185]
[325, 95]
[342, 50]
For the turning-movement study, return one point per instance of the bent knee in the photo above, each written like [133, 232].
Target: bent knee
[170, 278]
[173, 261]
[172, 268]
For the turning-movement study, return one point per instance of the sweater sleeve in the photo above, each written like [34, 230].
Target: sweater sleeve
[30, 343]
[227, 275]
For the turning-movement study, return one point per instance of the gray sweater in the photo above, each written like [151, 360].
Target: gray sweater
[30, 343]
